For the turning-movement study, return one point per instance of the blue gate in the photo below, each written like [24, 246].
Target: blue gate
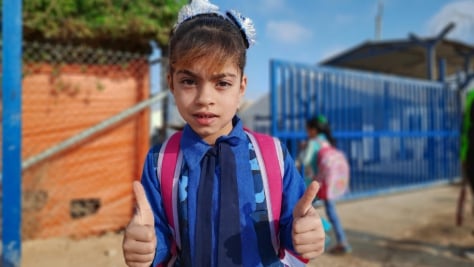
[397, 133]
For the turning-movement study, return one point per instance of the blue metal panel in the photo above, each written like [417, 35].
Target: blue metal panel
[397, 133]
[11, 122]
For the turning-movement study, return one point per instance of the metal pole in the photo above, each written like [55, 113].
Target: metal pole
[92, 131]
[378, 21]
[11, 133]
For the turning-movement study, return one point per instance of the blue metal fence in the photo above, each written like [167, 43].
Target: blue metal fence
[396, 132]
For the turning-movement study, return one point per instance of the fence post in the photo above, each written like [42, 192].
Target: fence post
[11, 133]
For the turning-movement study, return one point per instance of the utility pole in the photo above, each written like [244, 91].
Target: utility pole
[12, 36]
[378, 21]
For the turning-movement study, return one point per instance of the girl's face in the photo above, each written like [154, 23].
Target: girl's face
[208, 101]
[312, 132]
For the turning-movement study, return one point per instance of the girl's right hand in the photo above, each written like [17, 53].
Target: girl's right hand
[139, 242]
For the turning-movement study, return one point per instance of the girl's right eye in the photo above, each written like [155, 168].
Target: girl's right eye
[187, 82]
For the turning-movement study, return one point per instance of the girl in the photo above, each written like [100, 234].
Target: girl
[319, 132]
[207, 51]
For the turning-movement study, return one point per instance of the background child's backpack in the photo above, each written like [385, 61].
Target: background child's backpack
[270, 157]
[333, 172]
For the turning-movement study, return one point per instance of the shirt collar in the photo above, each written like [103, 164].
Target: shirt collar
[194, 147]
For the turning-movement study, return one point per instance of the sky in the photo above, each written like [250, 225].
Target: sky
[310, 31]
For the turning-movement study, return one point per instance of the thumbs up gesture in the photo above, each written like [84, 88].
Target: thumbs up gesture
[139, 242]
[308, 232]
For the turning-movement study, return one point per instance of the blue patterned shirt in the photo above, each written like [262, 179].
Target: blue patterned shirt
[251, 196]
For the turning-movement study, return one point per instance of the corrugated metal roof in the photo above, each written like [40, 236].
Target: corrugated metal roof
[407, 57]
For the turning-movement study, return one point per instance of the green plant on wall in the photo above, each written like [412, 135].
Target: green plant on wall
[111, 24]
[87, 31]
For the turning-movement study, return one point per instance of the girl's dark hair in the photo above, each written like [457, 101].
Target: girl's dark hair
[208, 35]
[321, 124]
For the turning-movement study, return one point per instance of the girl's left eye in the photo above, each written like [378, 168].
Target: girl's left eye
[223, 84]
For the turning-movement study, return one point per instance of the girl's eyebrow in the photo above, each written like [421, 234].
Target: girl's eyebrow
[186, 72]
[223, 75]
[214, 76]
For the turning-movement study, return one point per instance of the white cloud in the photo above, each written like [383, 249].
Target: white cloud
[287, 32]
[459, 12]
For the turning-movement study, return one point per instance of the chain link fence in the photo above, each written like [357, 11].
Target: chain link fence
[77, 171]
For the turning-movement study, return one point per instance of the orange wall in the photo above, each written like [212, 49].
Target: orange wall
[60, 103]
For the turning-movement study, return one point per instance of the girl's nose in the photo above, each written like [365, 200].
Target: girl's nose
[205, 94]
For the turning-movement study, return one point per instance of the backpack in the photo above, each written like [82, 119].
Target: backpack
[333, 172]
[270, 157]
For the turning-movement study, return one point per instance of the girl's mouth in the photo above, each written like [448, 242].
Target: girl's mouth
[205, 116]
[205, 119]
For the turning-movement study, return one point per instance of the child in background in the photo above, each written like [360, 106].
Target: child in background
[207, 52]
[319, 132]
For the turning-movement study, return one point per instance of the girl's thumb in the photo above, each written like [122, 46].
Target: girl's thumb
[144, 214]
[306, 201]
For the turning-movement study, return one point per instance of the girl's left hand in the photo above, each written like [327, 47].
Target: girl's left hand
[308, 231]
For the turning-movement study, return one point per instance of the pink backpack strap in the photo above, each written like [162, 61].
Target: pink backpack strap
[322, 152]
[268, 151]
[325, 146]
[168, 169]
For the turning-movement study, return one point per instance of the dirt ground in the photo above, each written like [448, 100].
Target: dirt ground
[404, 230]
[400, 230]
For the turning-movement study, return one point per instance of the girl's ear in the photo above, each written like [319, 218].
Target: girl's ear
[169, 79]
[242, 88]
[243, 85]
